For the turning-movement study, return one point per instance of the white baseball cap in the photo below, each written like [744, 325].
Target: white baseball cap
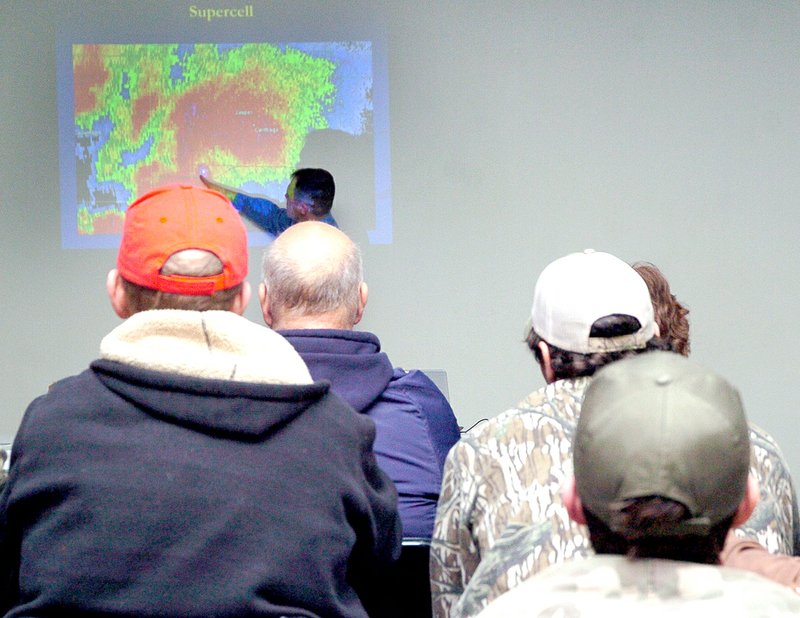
[575, 291]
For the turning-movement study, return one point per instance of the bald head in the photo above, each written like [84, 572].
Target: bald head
[312, 278]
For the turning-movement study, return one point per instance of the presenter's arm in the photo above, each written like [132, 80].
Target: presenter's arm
[227, 191]
[264, 213]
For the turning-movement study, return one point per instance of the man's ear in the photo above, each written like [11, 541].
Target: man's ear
[116, 294]
[363, 295]
[242, 298]
[303, 210]
[752, 494]
[263, 300]
[571, 499]
[546, 365]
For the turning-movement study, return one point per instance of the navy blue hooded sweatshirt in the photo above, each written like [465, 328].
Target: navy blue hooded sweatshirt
[415, 425]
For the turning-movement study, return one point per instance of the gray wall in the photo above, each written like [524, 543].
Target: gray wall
[520, 131]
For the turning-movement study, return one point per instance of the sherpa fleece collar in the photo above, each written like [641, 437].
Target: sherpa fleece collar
[205, 344]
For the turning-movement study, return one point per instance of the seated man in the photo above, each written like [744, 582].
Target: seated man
[309, 197]
[589, 309]
[313, 293]
[194, 469]
[661, 460]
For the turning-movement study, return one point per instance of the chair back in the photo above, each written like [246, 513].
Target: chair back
[412, 580]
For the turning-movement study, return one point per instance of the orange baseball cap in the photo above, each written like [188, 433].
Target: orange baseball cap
[176, 217]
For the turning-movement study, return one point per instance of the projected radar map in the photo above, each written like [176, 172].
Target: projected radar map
[150, 114]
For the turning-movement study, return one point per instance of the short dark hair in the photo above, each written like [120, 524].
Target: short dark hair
[315, 187]
[631, 536]
[566, 364]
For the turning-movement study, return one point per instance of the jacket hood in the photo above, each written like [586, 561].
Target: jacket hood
[351, 361]
[223, 407]
[213, 370]
[204, 344]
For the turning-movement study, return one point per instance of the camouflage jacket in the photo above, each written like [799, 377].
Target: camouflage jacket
[501, 519]
[775, 523]
[619, 587]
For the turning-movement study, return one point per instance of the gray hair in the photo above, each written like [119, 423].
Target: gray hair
[301, 288]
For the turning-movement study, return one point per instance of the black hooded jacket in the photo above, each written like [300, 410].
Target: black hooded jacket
[143, 493]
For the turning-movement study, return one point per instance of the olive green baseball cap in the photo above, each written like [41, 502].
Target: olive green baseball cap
[658, 424]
